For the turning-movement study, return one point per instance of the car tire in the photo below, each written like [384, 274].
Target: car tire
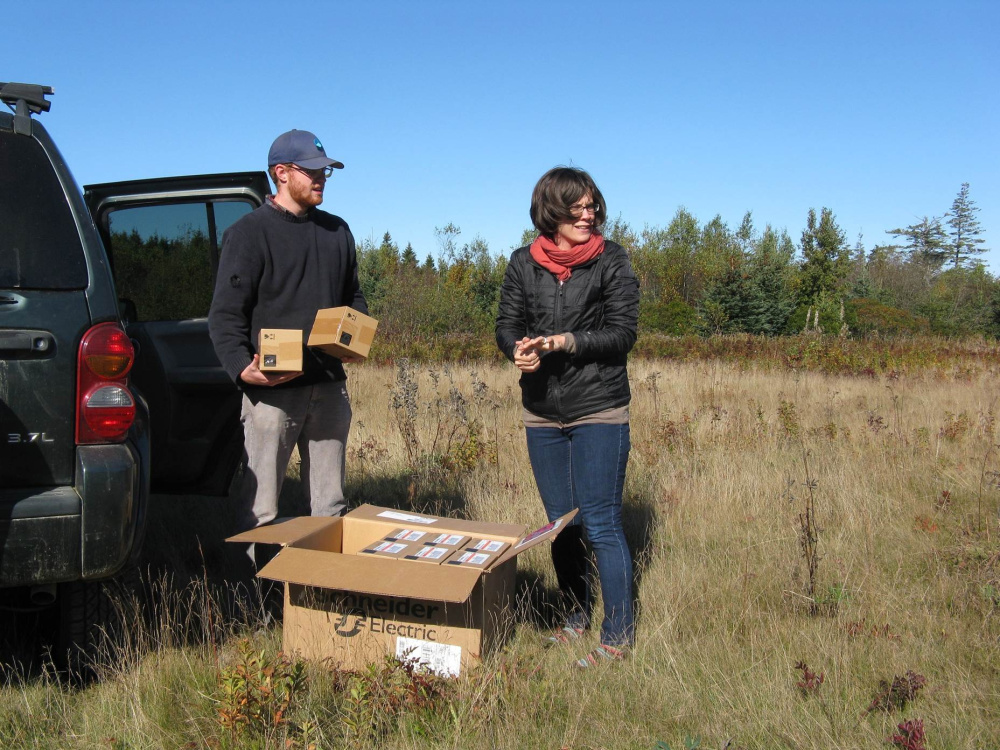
[95, 630]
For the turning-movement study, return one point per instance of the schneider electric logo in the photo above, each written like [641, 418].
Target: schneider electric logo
[360, 613]
[346, 601]
[349, 624]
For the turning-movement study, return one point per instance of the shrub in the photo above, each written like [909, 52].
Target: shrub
[874, 317]
[672, 317]
[257, 693]
[377, 698]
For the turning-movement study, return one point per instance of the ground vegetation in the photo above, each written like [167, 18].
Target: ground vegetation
[817, 560]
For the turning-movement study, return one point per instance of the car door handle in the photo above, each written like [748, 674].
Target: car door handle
[20, 342]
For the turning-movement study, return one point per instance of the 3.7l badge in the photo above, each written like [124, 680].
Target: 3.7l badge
[19, 438]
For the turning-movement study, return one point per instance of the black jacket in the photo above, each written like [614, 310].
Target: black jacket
[599, 305]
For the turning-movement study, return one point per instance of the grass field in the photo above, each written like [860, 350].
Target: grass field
[817, 558]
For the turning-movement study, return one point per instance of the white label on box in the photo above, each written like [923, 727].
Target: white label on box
[406, 517]
[433, 553]
[449, 539]
[472, 558]
[489, 545]
[409, 535]
[440, 658]
[390, 548]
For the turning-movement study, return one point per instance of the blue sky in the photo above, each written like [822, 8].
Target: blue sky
[450, 111]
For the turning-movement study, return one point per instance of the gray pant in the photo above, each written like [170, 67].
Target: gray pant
[317, 418]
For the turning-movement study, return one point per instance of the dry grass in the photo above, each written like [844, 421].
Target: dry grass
[908, 573]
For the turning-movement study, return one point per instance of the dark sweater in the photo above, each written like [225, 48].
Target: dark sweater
[275, 271]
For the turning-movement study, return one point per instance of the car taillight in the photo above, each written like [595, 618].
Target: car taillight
[105, 408]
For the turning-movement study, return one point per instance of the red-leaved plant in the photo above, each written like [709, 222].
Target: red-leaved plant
[909, 735]
[896, 696]
[810, 682]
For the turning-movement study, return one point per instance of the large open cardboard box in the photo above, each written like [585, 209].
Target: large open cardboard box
[354, 609]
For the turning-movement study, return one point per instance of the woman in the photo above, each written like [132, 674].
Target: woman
[567, 319]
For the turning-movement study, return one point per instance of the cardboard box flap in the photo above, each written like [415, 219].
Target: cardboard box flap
[371, 575]
[545, 533]
[285, 531]
[414, 520]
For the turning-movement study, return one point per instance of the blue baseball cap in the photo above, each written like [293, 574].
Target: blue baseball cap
[300, 147]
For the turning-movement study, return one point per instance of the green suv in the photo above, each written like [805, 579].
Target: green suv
[109, 385]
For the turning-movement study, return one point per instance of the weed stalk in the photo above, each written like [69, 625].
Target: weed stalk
[809, 534]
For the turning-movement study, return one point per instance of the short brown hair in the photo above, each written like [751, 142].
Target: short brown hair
[556, 192]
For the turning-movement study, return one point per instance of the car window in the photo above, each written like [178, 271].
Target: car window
[40, 245]
[165, 256]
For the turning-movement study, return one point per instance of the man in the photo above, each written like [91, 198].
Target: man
[278, 266]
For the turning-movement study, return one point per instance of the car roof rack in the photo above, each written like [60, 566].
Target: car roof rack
[25, 99]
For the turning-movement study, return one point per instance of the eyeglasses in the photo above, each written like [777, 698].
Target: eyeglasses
[313, 173]
[578, 210]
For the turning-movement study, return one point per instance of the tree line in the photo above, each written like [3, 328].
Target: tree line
[711, 278]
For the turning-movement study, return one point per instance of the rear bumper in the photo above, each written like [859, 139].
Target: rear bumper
[88, 531]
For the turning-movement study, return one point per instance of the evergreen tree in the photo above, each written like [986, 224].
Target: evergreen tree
[858, 279]
[926, 241]
[409, 257]
[862, 287]
[771, 269]
[825, 258]
[377, 267]
[965, 229]
[752, 295]
[728, 302]
[745, 235]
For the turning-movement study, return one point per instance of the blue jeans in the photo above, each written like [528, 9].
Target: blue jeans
[584, 467]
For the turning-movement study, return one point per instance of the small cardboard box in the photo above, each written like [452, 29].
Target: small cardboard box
[342, 332]
[387, 548]
[445, 539]
[427, 553]
[280, 349]
[489, 546]
[353, 609]
[470, 558]
[408, 535]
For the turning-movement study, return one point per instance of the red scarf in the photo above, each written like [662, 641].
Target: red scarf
[562, 262]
